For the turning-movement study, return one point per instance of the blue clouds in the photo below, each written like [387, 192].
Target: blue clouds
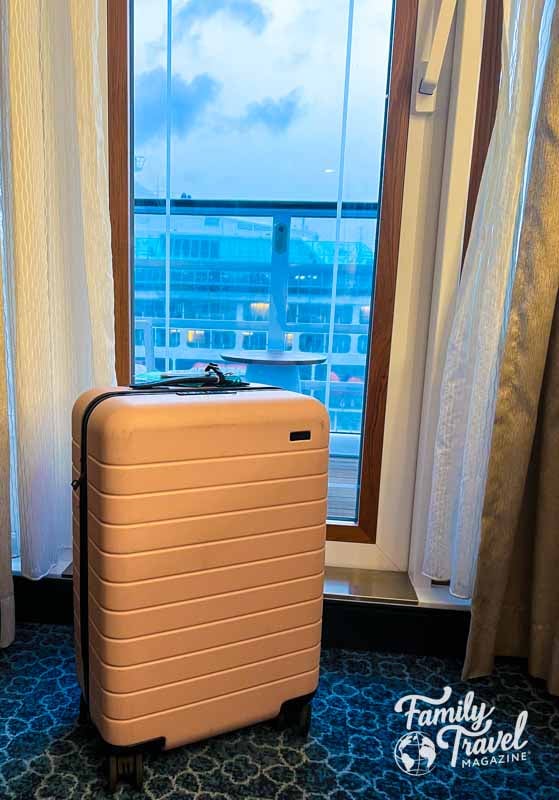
[189, 101]
[248, 12]
[276, 115]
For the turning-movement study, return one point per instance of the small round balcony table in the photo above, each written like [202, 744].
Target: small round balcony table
[274, 367]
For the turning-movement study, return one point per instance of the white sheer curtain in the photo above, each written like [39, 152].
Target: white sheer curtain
[57, 252]
[470, 376]
[6, 581]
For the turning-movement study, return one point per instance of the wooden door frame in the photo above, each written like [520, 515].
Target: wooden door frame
[388, 240]
[119, 55]
[120, 172]
[488, 95]
[389, 235]
[119, 113]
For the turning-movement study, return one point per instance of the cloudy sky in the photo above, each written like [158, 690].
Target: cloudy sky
[257, 96]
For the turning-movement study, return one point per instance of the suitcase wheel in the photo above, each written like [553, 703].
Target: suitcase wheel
[126, 767]
[83, 715]
[296, 716]
[304, 721]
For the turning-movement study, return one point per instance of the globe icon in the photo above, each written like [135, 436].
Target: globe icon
[415, 753]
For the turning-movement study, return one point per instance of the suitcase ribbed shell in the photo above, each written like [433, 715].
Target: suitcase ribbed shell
[205, 532]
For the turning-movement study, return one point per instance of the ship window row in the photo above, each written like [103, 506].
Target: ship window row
[250, 340]
[300, 282]
[253, 311]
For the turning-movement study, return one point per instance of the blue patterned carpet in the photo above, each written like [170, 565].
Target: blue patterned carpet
[45, 754]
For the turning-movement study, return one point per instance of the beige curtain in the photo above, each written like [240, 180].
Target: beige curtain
[7, 615]
[515, 608]
[6, 580]
[57, 247]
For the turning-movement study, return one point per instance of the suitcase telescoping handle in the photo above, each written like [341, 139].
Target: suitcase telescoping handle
[213, 376]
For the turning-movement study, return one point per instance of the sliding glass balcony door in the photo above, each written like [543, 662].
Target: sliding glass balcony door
[258, 134]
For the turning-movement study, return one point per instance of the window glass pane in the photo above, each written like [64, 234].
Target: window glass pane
[370, 50]
[319, 248]
[159, 337]
[341, 343]
[364, 314]
[224, 340]
[257, 310]
[344, 314]
[197, 338]
[312, 343]
[149, 97]
[257, 158]
[254, 341]
[184, 364]
[362, 344]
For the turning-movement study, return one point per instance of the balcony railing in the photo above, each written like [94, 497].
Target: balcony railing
[254, 208]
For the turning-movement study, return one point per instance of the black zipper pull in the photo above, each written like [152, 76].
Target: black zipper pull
[76, 483]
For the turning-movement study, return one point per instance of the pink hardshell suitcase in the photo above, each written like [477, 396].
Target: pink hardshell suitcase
[199, 527]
